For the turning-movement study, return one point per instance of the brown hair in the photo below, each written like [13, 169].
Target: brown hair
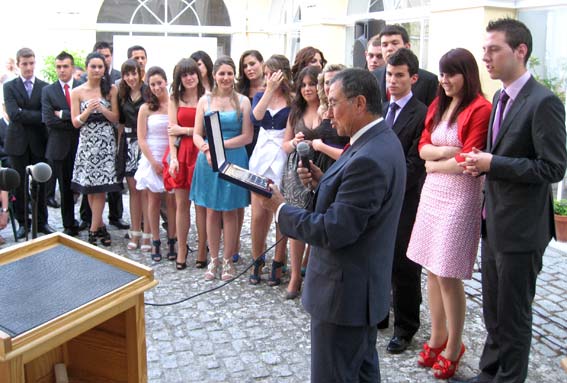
[225, 60]
[458, 61]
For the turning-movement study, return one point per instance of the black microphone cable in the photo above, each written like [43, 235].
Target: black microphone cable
[214, 288]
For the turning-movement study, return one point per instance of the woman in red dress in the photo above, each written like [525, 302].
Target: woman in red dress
[179, 160]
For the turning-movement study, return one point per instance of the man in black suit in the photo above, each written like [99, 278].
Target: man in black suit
[352, 231]
[525, 154]
[63, 138]
[392, 38]
[138, 53]
[26, 135]
[115, 205]
[405, 114]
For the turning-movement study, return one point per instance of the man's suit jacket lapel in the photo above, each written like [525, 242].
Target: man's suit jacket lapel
[516, 107]
[343, 159]
[405, 114]
[22, 89]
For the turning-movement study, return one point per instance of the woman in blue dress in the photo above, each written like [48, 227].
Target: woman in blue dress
[222, 198]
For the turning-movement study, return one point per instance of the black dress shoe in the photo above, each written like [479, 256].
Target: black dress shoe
[52, 202]
[72, 231]
[119, 223]
[21, 233]
[482, 378]
[84, 225]
[45, 229]
[398, 345]
[384, 323]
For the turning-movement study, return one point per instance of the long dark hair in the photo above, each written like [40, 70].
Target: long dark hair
[299, 105]
[303, 58]
[243, 83]
[458, 61]
[105, 83]
[205, 59]
[185, 66]
[151, 99]
[128, 66]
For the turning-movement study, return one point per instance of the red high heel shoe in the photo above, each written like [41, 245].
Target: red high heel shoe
[429, 355]
[445, 368]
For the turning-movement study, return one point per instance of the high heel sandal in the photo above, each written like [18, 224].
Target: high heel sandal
[156, 256]
[445, 368]
[93, 237]
[274, 280]
[135, 237]
[202, 264]
[182, 265]
[259, 263]
[146, 247]
[228, 270]
[429, 354]
[172, 254]
[211, 272]
[104, 236]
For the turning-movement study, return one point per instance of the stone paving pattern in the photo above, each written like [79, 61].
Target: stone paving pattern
[243, 333]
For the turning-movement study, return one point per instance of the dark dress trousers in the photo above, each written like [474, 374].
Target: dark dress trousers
[26, 138]
[352, 232]
[529, 155]
[406, 274]
[424, 89]
[62, 141]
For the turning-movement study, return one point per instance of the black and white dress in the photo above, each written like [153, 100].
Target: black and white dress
[95, 162]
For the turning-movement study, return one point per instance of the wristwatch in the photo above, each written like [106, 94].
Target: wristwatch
[3, 210]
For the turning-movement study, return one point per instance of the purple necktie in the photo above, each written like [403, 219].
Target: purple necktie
[502, 101]
[29, 87]
[390, 118]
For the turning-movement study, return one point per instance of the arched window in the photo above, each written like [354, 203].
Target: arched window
[206, 18]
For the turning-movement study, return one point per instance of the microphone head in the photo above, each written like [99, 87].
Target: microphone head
[303, 149]
[41, 172]
[9, 179]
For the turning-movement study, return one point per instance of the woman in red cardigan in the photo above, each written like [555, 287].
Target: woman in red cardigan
[447, 228]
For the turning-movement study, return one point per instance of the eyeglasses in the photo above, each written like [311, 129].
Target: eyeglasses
[334, 103]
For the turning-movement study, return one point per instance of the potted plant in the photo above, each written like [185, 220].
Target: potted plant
[560, 210]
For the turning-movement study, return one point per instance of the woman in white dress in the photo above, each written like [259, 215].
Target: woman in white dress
[153, 141]
[270, 110]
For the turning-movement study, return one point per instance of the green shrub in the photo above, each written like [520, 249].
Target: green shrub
[560, 207]
[50, 74]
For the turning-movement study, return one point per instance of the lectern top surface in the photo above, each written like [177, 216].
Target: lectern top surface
[41, 287]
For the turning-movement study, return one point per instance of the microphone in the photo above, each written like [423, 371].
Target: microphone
[303, 151]
[9, 179]
[40, 172]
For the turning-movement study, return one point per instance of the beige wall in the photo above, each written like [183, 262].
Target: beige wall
[463, 28]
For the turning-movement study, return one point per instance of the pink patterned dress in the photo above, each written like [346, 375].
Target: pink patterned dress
[446, 233]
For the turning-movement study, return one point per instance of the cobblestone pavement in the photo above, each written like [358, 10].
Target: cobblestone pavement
[242, 333]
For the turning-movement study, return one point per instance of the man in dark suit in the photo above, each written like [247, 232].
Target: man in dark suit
[392, 38]
[63, 138]
[26, 136]
[525, 154]
[405, 114]
[138, 53]
[115, 205]
[352, 232]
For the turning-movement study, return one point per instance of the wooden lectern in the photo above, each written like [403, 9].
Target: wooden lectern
[65, 301]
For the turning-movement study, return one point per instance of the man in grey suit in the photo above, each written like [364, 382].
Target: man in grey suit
[525, 154]
[352, 231]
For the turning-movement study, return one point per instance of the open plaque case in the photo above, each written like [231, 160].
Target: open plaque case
[227, 171]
